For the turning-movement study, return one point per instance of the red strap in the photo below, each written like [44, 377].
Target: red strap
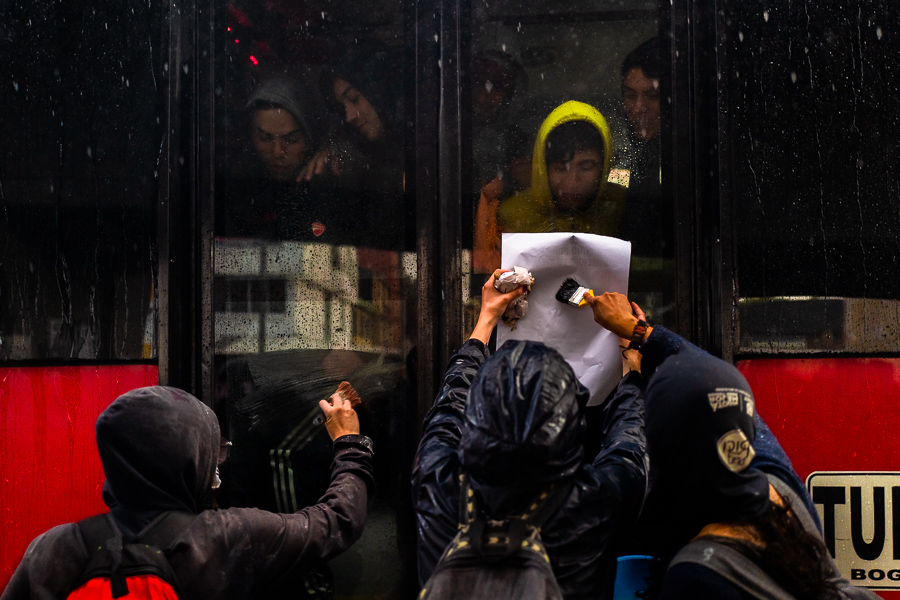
[139, 586]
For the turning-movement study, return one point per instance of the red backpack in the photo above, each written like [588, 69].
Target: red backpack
[136, 568]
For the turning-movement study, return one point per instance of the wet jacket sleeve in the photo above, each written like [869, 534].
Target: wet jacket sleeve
[435, 470]
[771, 459]
[286, 545]
[622, 460]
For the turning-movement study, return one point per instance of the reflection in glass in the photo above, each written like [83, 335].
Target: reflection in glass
[312, 274]
[812, 176]
[571, 137]
[81, 135]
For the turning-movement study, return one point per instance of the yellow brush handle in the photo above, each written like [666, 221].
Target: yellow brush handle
[584, 302]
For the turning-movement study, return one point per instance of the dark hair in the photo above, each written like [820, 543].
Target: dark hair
[567, 139]
[792, 556]
[646, 57]
[371, 67]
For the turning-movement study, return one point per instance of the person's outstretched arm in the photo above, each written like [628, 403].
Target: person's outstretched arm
[435, 470]
[614, 312]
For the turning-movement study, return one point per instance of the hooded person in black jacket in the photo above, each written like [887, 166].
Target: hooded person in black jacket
[160, 447]
[727, 513]
[515, 423]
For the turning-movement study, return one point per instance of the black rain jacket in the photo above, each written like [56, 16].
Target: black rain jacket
[518, 426]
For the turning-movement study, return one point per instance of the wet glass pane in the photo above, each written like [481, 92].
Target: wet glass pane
[590, 166]
[80, 139]
[810, 96]
[312, 263]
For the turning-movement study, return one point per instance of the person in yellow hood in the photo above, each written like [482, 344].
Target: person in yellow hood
[569, 171]
[569, 189]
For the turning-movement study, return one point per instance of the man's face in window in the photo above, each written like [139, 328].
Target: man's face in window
[279, 143]
[641, 103]
[574, 183]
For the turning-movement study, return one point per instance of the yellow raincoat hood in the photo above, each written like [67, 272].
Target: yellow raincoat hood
[534, 210]
[570, 111]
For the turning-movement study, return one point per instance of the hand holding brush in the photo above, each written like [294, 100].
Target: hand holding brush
[614, 312]
[340, 416]
[611, 310]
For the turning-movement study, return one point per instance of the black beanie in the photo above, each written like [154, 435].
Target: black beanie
[700, 428]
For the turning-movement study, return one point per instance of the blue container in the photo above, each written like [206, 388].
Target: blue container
[635, 574]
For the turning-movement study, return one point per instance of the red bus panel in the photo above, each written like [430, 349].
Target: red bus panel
[838, 415]
[50, 470]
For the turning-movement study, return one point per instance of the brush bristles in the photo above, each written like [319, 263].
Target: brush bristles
[347, 392]
[567, 290]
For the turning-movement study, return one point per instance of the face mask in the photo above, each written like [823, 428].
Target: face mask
[224, 452]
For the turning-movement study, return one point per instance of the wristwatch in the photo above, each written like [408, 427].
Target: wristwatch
[637, 336]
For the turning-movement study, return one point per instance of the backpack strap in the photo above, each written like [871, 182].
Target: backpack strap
[541, 508]
[517, 528]
[100, 533]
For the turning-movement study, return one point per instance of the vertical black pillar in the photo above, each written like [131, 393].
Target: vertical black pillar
[178, 298]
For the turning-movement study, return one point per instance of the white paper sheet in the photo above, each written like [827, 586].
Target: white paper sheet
[596, 262]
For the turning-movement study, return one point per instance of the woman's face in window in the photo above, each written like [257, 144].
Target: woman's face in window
[279, 143]
[358, 111]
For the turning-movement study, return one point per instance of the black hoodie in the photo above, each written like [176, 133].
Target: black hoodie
[159, 448]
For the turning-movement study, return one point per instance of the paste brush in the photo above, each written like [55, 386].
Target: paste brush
[571, 292]
[346, 391]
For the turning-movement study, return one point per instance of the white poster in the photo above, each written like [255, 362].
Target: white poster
[595, 262]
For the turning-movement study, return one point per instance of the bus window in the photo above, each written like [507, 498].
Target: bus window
[813, 177]
[597, 173]
[81, 133]
[312, 268]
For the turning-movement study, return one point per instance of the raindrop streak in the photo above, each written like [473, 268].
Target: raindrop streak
[793, 77]
[766, 16]
[741, 35]
[878, 32]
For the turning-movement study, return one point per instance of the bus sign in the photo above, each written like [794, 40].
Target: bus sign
[860, 515]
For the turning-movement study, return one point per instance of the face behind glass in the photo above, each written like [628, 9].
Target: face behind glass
[641, 102]
[574, 183]
[358, 111]
[279, 143]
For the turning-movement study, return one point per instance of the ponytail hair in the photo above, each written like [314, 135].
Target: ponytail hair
[795, 558]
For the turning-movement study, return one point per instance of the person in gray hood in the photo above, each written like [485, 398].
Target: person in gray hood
[160, 448]
[515, 423]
